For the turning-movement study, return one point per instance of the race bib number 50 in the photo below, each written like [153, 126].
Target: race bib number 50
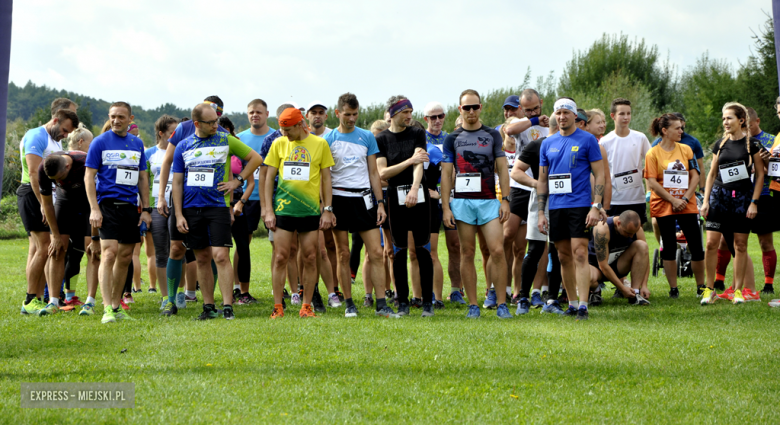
[559, 184]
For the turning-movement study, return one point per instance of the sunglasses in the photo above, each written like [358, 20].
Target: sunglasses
[435, 117]
[211, 123]
[469, 108]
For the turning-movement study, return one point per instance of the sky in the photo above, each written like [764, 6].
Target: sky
[153, 52]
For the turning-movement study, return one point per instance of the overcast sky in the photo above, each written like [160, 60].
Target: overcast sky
[152, 52]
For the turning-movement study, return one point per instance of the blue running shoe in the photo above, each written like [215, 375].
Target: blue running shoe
[571, 311]
[473, 312]
[503, 312]
[491, 300]
[523, 306]
[554, 307]
[536, 300]
[457, 298]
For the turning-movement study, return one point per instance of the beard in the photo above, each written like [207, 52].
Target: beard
[56, 133]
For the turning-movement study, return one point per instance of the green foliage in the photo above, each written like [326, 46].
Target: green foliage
[757, 78]
[11, 226]
[12, 167]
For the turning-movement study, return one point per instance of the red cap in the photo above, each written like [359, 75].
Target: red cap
[290, 117]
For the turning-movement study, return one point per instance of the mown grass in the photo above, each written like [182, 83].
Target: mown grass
[671, 362]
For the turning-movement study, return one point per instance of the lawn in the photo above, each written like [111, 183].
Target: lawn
[673, 361]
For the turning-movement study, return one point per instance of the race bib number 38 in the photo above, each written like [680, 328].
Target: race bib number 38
[295, 171]
[200, 177]
[559, 184]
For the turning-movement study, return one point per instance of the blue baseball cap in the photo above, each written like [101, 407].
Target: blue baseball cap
[513, 101]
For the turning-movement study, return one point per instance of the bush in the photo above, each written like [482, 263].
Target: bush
[10, 223]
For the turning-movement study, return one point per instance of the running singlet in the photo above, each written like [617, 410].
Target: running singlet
[474, 154]
[256, 143]
[154, 160]
[38, 142]
[71, 188]
[350, 153]
[734, 163]
[625, 155]
[299, 164]
[671, 171]
[204, 163]
[118, 161]
[568, 160]
[618, 244]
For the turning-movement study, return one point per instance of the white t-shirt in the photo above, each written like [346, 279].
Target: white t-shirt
[626, 154]
[521, 141]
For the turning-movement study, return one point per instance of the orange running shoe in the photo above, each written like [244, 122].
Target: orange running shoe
[728, 294]
[124, 304]
[278, 311]
[751, 295]
[307, 311]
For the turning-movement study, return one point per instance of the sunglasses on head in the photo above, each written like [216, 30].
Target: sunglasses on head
[469, 108]
[434, 117]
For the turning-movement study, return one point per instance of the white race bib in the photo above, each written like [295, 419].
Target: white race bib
[200, 177]
[256, 174]
[367, 199]
[127, 175]
[734, 171]
[559, 184]
[627, 180]
[675, 179]
[468, 183]
[774, 167]
[614, 256]
[295, 171]
[404, 190]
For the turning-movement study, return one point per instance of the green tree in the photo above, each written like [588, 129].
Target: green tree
[757, 78]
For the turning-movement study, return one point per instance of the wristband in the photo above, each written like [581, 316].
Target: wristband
[535, 121]
[754, 201]
[95, 238]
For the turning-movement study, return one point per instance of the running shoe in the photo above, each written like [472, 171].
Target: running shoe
[351, 311]
[87, 309]
[403, 309]
[389, 295]
[438, 305]
[738, 298]
[523, 307]
[152, 290]
[108, 316]
[33, 307]
[340, 295]
[515, 299]
[388, 312]
[640, 300]
[209, 312]
[368, 301]
[709, 296]
[135, 291]
[674, 293]
[180, 301]
[45, 294]
[545, 296]
[553, 307]
[49, 309]
[277, 313]
[352, 279]
[236, 294]
[74, 301]
[473, 312]
[571, 311]
[316, 302]
[768, 289]
[250, 299]
[170, 309]
[618, 294]
[503, 311]
[124, 305]
[728, 294]
[285, 294]
[128, 298]
[594, 297]
[306, 311]
[123, 315]
[582, 313]
[457, 298]
[774, 303]
[536, 300]
[720, 285]
[227, 312]
[333, 301]
[428, 309]
[416, 302]
[491, 300]
[190, 299]
[295, 299]
[300, 291]
[750, 295]
[700, 290]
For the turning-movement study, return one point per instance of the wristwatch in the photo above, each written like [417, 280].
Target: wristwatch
[596, 205]
[504, 198]
[149, 210]
[240, 179]
[328, 209]
[242, 201]
[382, 201]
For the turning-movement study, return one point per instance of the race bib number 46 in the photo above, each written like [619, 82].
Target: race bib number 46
[675, 179]
[559, 184]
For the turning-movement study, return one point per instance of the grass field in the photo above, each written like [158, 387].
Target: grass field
[671, 362]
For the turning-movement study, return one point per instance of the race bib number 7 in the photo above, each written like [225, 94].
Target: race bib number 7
[468, 182]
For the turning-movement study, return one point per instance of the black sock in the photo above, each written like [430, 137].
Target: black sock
[207, 307]
[230, 306]
[380, 303]
[29, 298]
[349, 302]
[116, 310]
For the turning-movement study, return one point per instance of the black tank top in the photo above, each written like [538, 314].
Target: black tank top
[617, 244]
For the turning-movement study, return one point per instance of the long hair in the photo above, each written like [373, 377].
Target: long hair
[740, 111]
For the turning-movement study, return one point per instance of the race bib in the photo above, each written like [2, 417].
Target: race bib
[559, 184]
[627, 180]
[295, 171]
[615, 255]
[468, 183]
[256, 174]
[200, 177]
[733, 172]
[367, 199]
[404, 190]
[156, 189]
[675, 179]
[127, 175]
[774, 167]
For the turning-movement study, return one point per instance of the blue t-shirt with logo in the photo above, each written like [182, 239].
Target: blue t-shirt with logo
[256, 143]
[350, 152]
[109, 151]
[571, 155]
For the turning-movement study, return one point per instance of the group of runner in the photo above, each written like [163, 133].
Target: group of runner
[557, 206]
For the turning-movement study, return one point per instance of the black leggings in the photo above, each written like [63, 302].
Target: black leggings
[530, 266]
[240, 231]
[689, 224]
[129, 279]
[354, 253]
[402, 221]
[72, 264]
[554, 278]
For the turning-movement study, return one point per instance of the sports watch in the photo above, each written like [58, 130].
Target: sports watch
[329, 209]
[149, 210]
[597, 205]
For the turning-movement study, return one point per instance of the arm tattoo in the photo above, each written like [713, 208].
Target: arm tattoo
[541, 199]
[602, 245]
[600, 189]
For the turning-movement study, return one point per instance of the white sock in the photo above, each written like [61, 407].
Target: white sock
[584, 304]
[636, 291]
[55, 301]
[237, 287]
[90, 300]
[535, 291]
[189, 293]
[509, 291]
[573, 304]
[545, 288]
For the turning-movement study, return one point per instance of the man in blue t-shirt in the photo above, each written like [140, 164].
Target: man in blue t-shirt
[202, 185]
[254, 136]
[473, 154]
[566, 161]
[118, 160]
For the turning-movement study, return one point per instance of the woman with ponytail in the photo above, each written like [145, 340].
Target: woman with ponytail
[730, 198]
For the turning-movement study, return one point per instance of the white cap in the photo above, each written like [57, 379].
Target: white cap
[294, 104]
[316, 103]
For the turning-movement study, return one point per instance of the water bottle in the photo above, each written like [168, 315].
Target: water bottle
[143, 229]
